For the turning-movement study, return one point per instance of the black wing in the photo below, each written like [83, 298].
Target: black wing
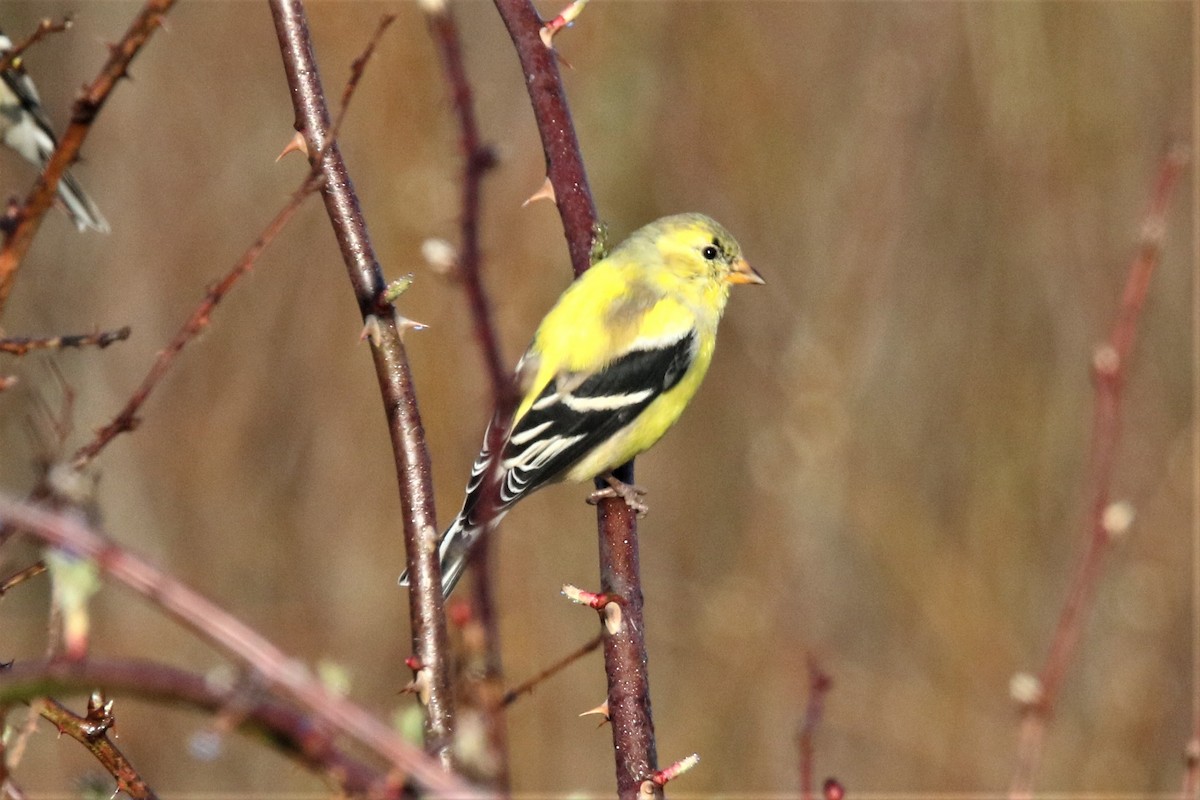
[568, 420]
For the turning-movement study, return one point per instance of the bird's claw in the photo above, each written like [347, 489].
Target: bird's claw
[630, 493]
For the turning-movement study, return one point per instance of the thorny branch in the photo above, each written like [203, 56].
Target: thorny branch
[92, 732]
[66, 532]
[625, 657]
[391, 367]
[11, 57]
[29, 217]
[1105, 520]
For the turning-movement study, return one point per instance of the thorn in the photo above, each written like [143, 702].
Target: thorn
[613, 617]
[406, 324]
[602, 710]
[545, 192]
[413, 663]
[663, 776]
[370, 330]
[295, 145]
[420, 683]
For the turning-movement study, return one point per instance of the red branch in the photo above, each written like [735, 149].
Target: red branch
[46, 27]
[819, 684]
[29, 217]
[218, 626]
[625, 657]
[1110, 370]
[478, 159]
[391, 367]
[564, 163]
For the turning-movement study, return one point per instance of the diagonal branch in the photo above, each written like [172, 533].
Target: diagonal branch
[391, 368]
[92, 732]
[46, 27]
[1106, 520]
[66, 532]
[29, 217]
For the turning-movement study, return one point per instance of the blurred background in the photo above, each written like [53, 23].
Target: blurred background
[884, 470]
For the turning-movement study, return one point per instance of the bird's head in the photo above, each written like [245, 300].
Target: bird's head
[696, 248]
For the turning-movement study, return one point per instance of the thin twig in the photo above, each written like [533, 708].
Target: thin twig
[92, 732]
[391, 367]
[527, 686]
[478, 160]
[20, 576]
[222, 629]
[127, 418]
[20, 345]
[29, 217]
[288, 730]
[1105, 521]
[46, 27]
[819, 684]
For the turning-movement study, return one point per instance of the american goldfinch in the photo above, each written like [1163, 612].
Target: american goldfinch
[611, 368]
[25, 128]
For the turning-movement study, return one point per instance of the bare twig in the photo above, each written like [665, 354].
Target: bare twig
[819, 684]
[625, 657]
[29, 217]
[564, 164]
[527, 686]
[391, 367]
[127, 418]
[1105, 520]
[283, 727]
[212, 622]
[92, 732]
[20, 576]
[46, 27]
[478, 159]
[20, 345]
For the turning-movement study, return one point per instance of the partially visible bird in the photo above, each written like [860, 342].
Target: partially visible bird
[611, 368]
[25, 128]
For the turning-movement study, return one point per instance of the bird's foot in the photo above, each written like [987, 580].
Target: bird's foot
[631, 494]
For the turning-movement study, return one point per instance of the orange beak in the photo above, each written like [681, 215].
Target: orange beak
[744, 273]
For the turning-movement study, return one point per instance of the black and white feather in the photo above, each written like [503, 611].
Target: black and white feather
[25, 128]
[568, 424]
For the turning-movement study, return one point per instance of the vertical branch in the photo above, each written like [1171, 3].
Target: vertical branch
[478, 159]
[625, 658]
[564, 164]
[1106, 519]
[819, 684]
[391, 367]
[82, 116]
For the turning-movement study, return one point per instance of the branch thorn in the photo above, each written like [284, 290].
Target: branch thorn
[295, 145]
[545, 192]
[602, 710]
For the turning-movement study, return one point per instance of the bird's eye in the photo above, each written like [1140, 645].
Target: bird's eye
[710, 252]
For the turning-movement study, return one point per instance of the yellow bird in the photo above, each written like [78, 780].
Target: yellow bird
[611, 368]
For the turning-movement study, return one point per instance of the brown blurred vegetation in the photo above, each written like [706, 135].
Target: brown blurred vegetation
[884, 468]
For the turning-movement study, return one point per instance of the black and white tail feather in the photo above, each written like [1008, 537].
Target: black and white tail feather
[25, 128]
[571, 417]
